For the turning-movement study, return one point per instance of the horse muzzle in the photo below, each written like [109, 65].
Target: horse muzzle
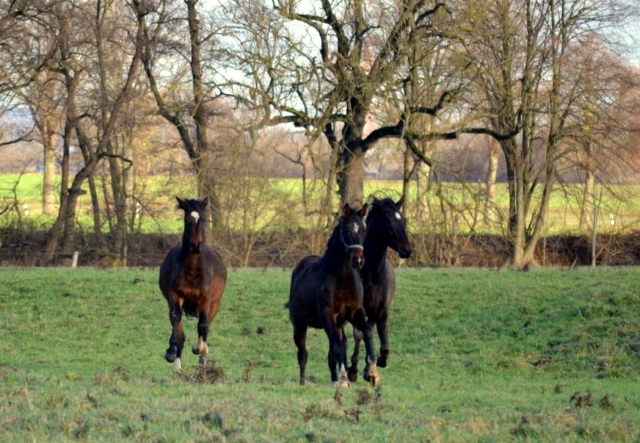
[357, 262]
[405, 249]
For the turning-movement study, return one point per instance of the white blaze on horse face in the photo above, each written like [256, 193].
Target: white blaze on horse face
[356, 228]
[398, 216]
[195, 215]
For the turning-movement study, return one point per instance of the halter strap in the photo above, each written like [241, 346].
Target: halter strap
[349, 247]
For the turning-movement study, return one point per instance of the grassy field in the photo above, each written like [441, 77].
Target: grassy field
[563, 216]
[482, 356]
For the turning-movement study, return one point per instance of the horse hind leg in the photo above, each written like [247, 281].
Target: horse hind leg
[300, 339]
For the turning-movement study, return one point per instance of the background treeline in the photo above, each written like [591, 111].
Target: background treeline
[502, 122]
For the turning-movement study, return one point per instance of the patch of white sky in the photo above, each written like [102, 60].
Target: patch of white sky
[634, 42]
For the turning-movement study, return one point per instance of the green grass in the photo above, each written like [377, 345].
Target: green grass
[476, 356]
[159, 192]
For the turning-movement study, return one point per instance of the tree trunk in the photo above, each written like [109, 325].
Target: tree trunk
[492, 173]
[207, 182]
[95, 209]
[119, 201]
[423, 184]
[53, 239]
[588, 200]
[350, 177]
[49, 176]
[408, 168]
[517, 203]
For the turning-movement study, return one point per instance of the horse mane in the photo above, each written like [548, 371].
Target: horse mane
[380, 204]
[335, 232]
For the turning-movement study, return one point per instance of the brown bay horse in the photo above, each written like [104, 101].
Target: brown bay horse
[192, 279]
[326, 292]
[386, 228]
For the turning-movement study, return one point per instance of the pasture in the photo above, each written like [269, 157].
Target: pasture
[476, 355]
[622, 202]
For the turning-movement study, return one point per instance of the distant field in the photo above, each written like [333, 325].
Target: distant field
[477, 356]
[157, 192]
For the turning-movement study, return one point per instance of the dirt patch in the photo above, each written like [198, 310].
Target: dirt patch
[210, 374]
[580, 400]
[363, 397]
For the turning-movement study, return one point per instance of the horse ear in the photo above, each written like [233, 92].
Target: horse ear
[182, 204]
[346, 210]
[205, 202]
[400, 202]
[363, 211]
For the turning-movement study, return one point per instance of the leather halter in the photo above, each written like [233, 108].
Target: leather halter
[349, 247]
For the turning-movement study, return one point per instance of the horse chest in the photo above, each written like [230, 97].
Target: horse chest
[348, 297]
[190, 286]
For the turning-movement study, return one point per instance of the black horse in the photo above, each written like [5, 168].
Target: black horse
[386, 228]
[192, 279]
[326, 292]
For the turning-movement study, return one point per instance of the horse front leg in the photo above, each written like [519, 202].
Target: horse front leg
[176, 341]
[353, 369]
[337, 352]
[201, 346]
[332, 359]
[370, 371]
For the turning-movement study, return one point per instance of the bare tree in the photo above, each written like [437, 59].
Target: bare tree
[190, 112]
[71, 66]
[326, 66]
[520, 71]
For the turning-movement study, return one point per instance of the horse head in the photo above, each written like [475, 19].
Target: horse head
[386, 222]
[352, 231]
[194, 222]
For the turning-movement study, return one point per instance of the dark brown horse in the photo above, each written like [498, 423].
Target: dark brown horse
[386, 228]
[192, 279]
[326, 292]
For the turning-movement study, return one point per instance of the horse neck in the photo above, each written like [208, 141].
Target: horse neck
[188, 257]
[375, 252]
[336, 259]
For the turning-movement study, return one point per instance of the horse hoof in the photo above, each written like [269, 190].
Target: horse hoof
[381, 362]
[353, 374]
[202, 360]
[170, 356]
[342, 384]
[371, 375]
[195, 350]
